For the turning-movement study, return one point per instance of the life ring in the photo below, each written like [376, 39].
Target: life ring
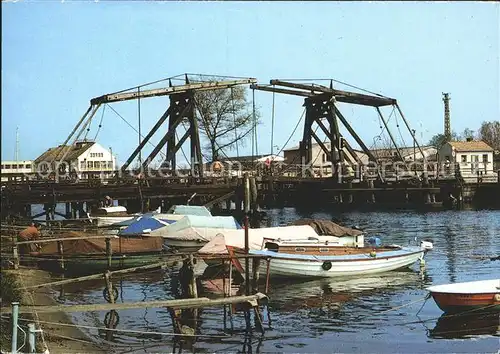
[327, 265]
[497, 297]
[105, 294]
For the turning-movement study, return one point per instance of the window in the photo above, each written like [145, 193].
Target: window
[14, 167]
[110, 165]
[90, 164]
[1, 167]
[7, 167]
[83, 164]
[464, 158]
[28, 166]
[485, 158]
[323, 157]
[475, 158]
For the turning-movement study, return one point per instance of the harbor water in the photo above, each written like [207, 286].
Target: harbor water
[378, 313]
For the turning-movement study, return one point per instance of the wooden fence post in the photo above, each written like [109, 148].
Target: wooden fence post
[15, 254]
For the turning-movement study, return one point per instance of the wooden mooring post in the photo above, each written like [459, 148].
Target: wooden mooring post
[109, 252]
[60, 249]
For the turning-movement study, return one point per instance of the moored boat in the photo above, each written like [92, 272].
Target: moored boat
[480, 295]
[315, 259]
[86, 255]
[109, 216]
[192, 232]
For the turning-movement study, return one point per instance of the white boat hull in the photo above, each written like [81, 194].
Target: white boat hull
[283, 267]
[183, 244]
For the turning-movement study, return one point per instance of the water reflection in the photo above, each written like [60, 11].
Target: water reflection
[332, 294]
[464, 326]
[308, 314]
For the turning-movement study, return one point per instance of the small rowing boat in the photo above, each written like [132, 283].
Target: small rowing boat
[317, 259]
[482, 295]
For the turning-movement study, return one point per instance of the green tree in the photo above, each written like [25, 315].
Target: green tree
[225, 118]
[439, 140]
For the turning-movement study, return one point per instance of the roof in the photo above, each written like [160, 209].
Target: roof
[76, 150]
[475, 145]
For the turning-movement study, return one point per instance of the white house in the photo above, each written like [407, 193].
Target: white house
[86, 158]
[474, 158]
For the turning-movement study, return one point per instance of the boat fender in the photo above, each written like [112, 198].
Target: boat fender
[497, 297]
[373, 254]
[327, 265]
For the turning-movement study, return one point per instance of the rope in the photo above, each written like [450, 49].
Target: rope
[127, 330]
[37, 319]
[293, 132]
[405, 305]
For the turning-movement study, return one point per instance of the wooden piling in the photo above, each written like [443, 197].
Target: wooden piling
[109, 287]
[109, 252]
[15, 256]
[255, 274]
[60, 249]
[253, 195]
[193, 289]
[68, 210]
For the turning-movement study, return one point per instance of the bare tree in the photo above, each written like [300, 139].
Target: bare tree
[225, 118]
[467, 134]
[490, 134]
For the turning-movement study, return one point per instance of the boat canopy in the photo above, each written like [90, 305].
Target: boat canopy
[98, 246]
[236, 238]
[327, 227]
[143, 225]
[200, 228]
[189, 210]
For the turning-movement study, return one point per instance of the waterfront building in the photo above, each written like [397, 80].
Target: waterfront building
[473, 158]
[86, 159]
[15, 169]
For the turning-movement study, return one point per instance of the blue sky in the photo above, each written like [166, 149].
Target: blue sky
[56, 56]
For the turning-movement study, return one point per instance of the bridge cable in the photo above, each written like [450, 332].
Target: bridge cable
[100, 123]
[131, 126]
[234, 122]
[272, 126]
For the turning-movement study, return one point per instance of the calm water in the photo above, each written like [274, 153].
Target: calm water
[341, 315]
